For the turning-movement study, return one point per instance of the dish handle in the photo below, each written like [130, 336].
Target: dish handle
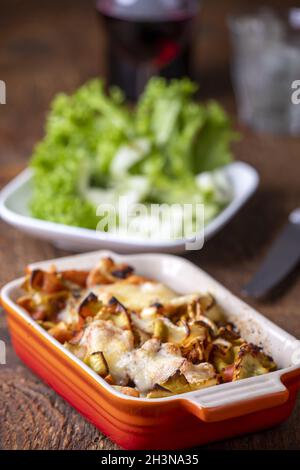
[246, 396]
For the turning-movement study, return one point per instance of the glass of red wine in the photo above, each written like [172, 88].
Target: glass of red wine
[146, 38]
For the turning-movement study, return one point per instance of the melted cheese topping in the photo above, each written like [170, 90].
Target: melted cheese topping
[145, 321]
[153, 363]
[112, 341]
[197, 373]
[69, 314]
[136, 296]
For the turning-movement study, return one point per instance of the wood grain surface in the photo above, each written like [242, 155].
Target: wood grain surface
[49, 46]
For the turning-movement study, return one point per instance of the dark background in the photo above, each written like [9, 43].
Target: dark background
[55, 45]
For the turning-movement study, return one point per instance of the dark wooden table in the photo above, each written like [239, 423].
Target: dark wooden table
[54, 45]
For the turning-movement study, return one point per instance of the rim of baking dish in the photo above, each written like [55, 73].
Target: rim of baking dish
[231, 387]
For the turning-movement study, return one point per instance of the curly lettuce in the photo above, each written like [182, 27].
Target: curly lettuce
[95, 149]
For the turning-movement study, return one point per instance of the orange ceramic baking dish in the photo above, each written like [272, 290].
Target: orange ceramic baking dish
[174, 422]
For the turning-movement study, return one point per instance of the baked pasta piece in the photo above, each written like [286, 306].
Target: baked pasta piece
[143, 338]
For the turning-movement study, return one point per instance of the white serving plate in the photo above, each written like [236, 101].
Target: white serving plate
[14, 199]
[185, 278]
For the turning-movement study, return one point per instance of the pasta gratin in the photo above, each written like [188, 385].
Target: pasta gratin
[143, 338]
